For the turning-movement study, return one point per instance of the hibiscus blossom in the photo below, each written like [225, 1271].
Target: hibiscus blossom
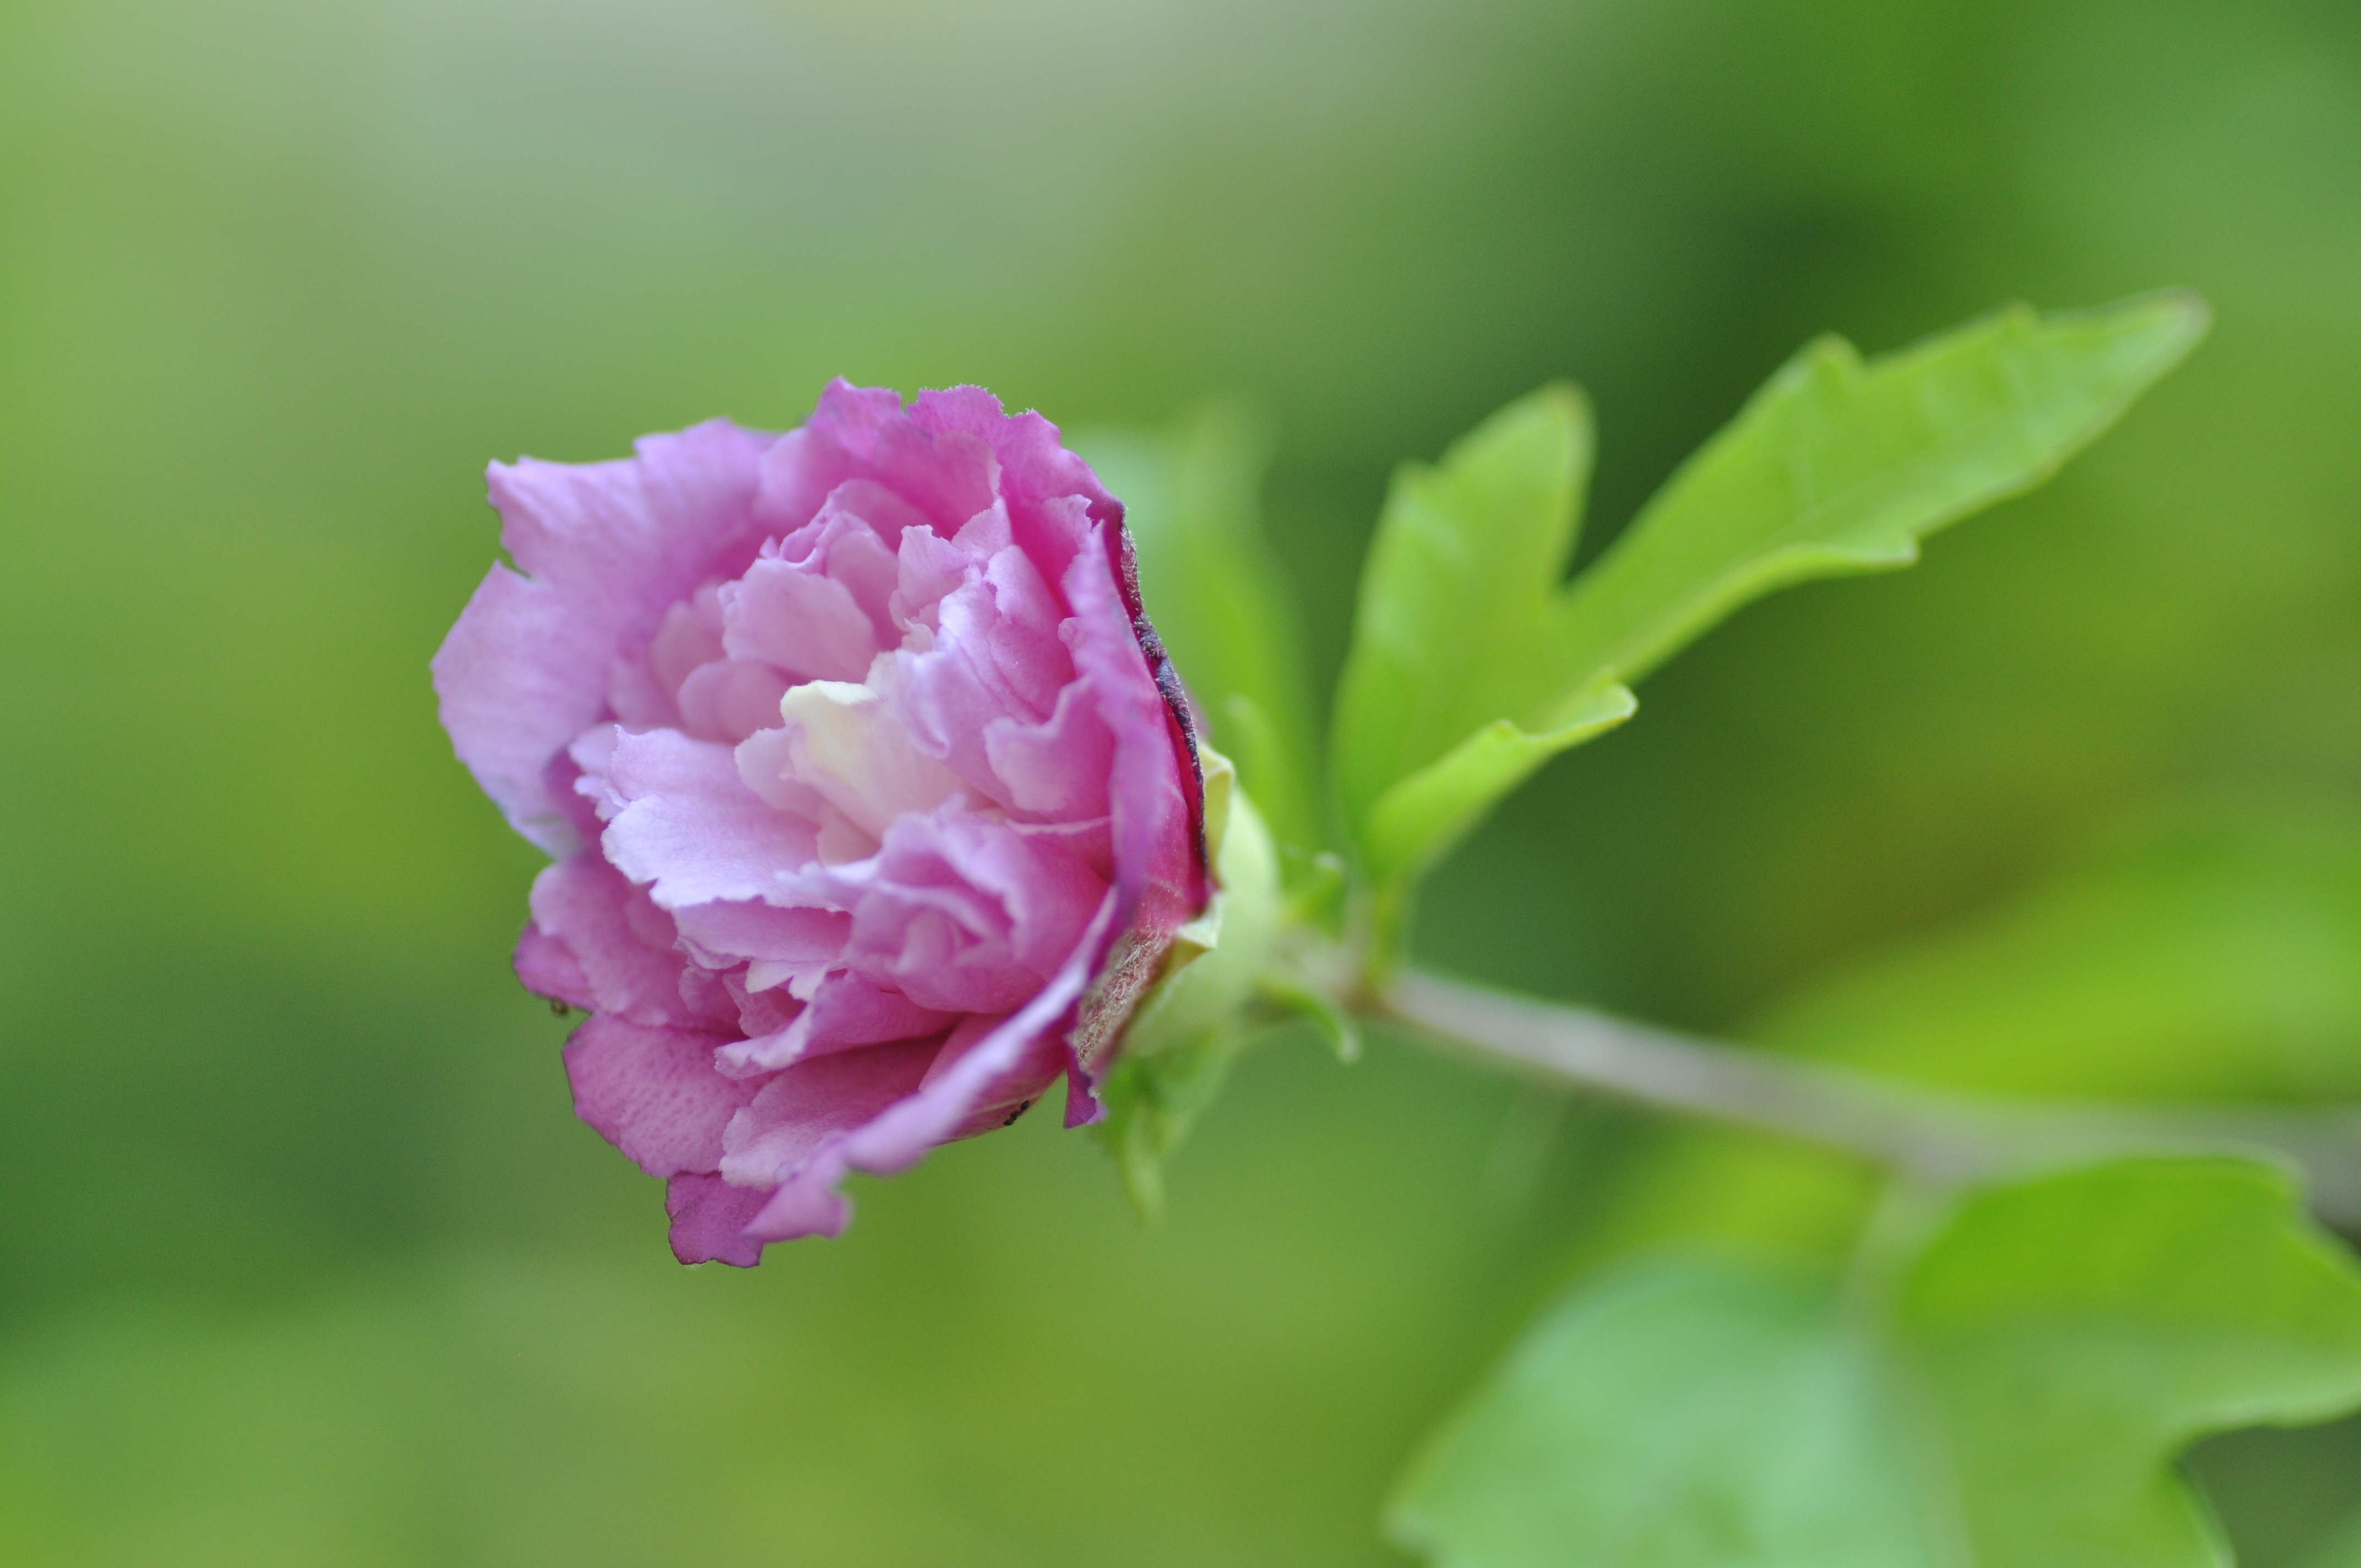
[875, 803]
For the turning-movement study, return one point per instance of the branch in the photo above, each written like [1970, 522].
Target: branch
[1941, 1137]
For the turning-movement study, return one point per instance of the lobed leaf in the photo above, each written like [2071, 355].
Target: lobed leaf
[1419, 819]
[2014, 1400]
[1471, 665]
[2077, 1332]
[1453, 644]
[1837, 467]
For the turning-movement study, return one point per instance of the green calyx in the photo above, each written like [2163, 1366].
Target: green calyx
[1178, 1047]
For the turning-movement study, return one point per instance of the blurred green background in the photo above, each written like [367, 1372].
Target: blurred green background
[303, 1259]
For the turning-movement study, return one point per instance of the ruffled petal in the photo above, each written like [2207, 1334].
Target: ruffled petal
[990, 650]
[721, 934]
[652, 1093]
[710, 1219]
[628, 964]
[547, 967]
[961, 912]
[797, 1113]
[603, 550]
[852, 418]
[949, 475]
[1152, 787]
[798, 618]
[1003, 1099]
[902, 1130]
[1156, 802]
[1036, 471]
[687, 825]
[730, 699]
[848, 1010]
[1056, 768]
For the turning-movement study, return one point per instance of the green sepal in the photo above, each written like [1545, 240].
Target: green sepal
[1176, 1049]
[1153, 1102]
[1295, 997]
[1211, 970]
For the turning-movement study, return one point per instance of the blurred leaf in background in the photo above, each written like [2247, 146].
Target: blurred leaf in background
[300, 1220]
[2340, 1549]
[2202, 953]
[2015, 1397]
[1220, 600]
[2205, 953]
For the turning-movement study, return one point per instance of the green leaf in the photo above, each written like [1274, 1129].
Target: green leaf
[2203, 955]
[1418, 820]
[1837, 467]
[1219, 597]
[2342, 1548]
[1683, 1413]
[2014, 1397]
[1455, 644]
[2079, 1331]
[2211, 955]
[1469, 658]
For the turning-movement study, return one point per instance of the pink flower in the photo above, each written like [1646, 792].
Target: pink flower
[875, 803]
